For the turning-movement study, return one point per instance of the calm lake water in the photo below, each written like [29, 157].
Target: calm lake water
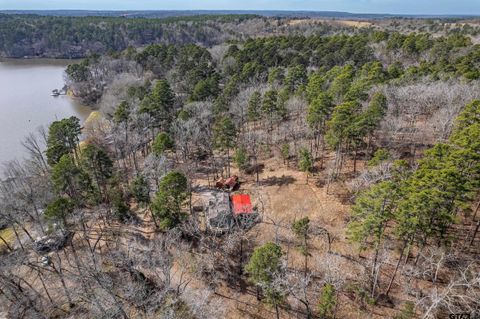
[26, 104]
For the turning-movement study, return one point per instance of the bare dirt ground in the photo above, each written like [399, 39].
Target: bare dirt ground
[283, 195]
[347, 23]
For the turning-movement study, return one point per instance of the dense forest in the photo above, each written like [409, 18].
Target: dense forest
[76, 37]
[359, 148]
[58, 36]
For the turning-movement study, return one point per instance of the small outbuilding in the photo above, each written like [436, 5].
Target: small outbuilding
[241, 204]
[223, 211]
[227, 184]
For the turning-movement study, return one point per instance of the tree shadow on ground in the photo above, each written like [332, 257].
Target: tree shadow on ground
[278, 181]
[253, 169]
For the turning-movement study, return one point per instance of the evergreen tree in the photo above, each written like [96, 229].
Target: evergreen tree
[305, 161]
[318, 113]
[170, 200]
[225, 134]
[205, 89]
[162, 143]
[296, 77]
[327, 303]
[285, 152]
[270, 107]
[341, 83]
[120, 207]
[346, 130]
[240, 157]
[373, 210]
[408, 311]
[141, 190]
[276, 76]
[301, 229]
[59, 210]
[374, 113]
[270, 103]
[159, 104]
[122, 113]
[254, 106]
[97, 162]
[264, 267]
[69, 179]
[63, 138]
[381, 155]
[315, 86]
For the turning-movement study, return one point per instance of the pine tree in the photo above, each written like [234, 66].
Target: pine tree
[170, 200]
[141, 190]
[59, 210]
[264, 267]
[240, 157]
[159, 104]
[318, 113]
[63, 139]
[285, 152]
[225, 134]
[96, 161]
[162, 143]
[373, 210]
[254, 106]
[301, 230]
[69, 179]
[327, 303]
[296, 77]
[305, 162]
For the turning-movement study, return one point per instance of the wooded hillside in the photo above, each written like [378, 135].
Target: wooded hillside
[359, 149]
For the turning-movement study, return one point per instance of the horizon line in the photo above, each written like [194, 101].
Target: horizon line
[250, 10]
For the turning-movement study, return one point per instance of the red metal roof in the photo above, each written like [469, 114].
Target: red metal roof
[241, 204]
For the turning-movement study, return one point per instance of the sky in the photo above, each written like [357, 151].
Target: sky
[450, 7]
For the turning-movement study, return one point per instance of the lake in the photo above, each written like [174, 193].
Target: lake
[26, 103]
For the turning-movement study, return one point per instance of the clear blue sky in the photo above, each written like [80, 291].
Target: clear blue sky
[357, 6]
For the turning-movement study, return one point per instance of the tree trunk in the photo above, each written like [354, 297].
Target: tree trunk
[475, 233]
[374, 272]
[306, 256]
[45, 287]
[64, 285]
[18, 237]
[228, 162]
[396, 269]
[135, 162]
[322, 149]
[476, 211]
[355, 160]
[6, 244]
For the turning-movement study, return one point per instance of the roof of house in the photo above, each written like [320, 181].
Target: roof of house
[218, 211]
[241, 204]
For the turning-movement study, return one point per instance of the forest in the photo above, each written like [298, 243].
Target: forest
[358, 146]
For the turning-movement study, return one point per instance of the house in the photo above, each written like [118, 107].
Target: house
[217, 211]
[223, 211]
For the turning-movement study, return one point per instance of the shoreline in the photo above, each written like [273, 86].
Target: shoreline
[40, 60]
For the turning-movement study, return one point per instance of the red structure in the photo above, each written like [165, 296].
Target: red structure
[229, 183]
[241, 204]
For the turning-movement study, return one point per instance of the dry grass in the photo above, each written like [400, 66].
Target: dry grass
[284, 196]
[8, 235]
[346, 23]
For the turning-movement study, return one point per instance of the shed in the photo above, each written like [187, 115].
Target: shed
[241, 204]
